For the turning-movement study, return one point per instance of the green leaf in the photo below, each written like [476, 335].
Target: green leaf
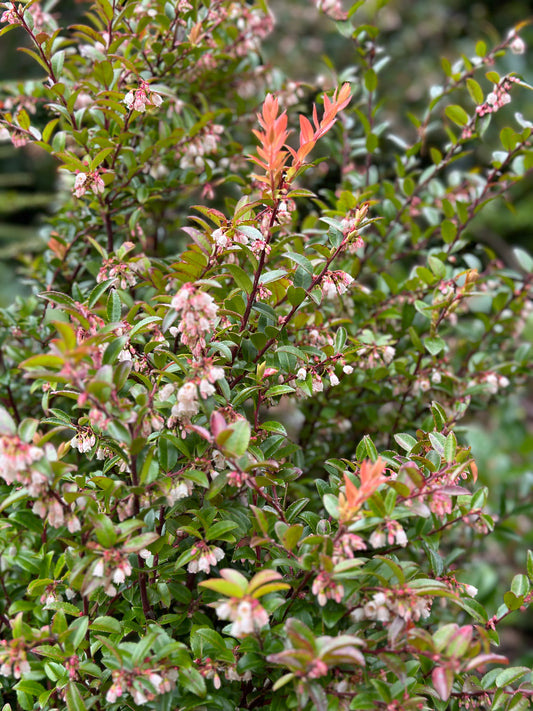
[242, 279]
[276, 390]
[530, 565]
[193, 681]
[235, 438]
[7, 423]
[301, 260]
[512, 601]
[64, 607]
[144, 540]
[450, 448]
[437, 266]
[224, 587]
[219, 530]
[105, 531]
[73, 698]
[511, 675]
[475, 91]
[508, 138]
[371, 80]
[292, 535]
[106, 624]
[406, 441]
[434, 344]
[77, 630]
[481, 48]
[457, 114]
[520, 585]
[30, 687]
[100, 157]
[366, 449]
[114, 307]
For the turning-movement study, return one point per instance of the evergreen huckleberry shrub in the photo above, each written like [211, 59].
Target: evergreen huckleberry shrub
[229, 472]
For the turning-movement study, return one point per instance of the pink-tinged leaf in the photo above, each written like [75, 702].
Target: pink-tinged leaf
[217, 423]
[454, 490]
[271, 587]
[460, 642]
[442, 681]
[224, 587]
[204, 434]
[344, 655]
[483, 659]
[262, 578]
[235, 577]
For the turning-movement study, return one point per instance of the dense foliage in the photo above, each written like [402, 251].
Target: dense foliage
[230, 477]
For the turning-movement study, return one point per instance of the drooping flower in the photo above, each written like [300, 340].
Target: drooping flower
[325, 588]
[142, 97]
[198, 315]
[205, 557]
[246, 613]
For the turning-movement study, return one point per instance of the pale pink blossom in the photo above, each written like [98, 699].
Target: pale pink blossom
[332, 8]
[198, 316]
[324, 587]
[246, 613]
[179, 490]
[205, 557]
[517, 44]
[16, 459]
[221, 238]
[187, 405]
[84, 440]
[142, 97]
[91, 180]
[10, 15]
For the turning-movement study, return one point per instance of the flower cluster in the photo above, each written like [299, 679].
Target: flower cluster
[396, 606]
[325, 588]
[84, 440]
[142, 97]
[91, 180]
[391, 532]
[112, 568]
[345, 546]
[143, 684]
[13, 659]
[198, 312]
[498, 97]
[16, 459]
[124, 273]
[516, 43]
[246, 613]
[491, 381]
[335, 283]
[204, 557]
[332, 8]
[209, 669]
[10, 14]
[205, 143]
